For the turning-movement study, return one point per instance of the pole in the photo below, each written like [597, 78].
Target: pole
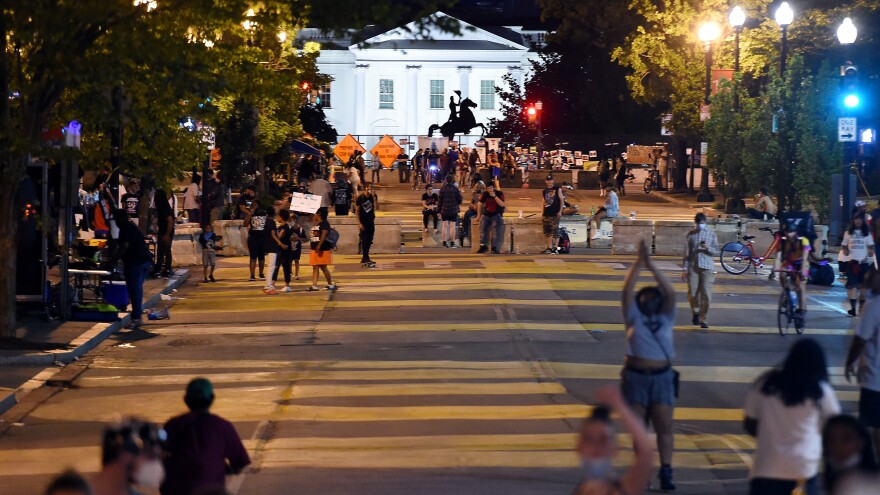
[706, 196]
[708, 59]
[784, 51]
[736, 68]
[847, 168]
[540, 142]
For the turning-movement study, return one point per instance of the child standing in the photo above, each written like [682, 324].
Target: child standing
[320, 257]
[209, 252]
[297, 235]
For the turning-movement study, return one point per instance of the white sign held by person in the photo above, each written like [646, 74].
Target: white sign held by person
[305, 203]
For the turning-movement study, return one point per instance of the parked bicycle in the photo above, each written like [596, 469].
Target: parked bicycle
[736, 257]
[652, 182]
[787, 314]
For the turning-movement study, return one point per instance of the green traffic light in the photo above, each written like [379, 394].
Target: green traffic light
[851, 101]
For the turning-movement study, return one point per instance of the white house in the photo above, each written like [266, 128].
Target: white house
[400, 84]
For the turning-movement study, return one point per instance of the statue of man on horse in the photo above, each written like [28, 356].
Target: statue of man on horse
[461, 121]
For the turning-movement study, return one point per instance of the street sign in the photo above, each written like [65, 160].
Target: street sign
[846, 130]
[347, 147]
[386, 151]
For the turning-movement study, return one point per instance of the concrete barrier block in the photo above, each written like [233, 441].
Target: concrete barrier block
[669, 237]
[629, 233]
[726, 230]
[234, 237]
[576, 227]
[185, 247]
[475, 235]
[385, 241]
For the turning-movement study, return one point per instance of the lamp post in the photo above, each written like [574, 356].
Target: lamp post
[784, 15]
[707, 33]
[846, 34]
[737, 19]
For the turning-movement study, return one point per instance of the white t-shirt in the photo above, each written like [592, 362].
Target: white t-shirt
[789, 443]
[858, 244]
[869, 331]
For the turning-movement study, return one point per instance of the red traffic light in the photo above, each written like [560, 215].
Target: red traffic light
[531, 111]
[305, 86]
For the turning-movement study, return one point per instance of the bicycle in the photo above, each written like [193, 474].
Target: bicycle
[736, 257]
[788, 305]
[652, 181]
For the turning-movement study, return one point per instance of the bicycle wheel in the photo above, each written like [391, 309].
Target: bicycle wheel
[735, 258]
[648, 185]
[785, 314]
[797, 320]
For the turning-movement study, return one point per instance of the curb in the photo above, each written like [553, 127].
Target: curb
[87, 341]
[670, 199]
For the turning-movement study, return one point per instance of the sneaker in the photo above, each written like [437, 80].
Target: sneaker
[313, 288]
[330, 287]
[262, 276]
[696, 319]
[453, 245]
[703, 324]
[665, 477]
[482, 249]
[268, 288]
[287, 289]
[444, 244]
[252, 279]
[133, 324]
[547, 251]
[204, 281]
[555, 251]
[495, 251]
[212, 279]
[851, 312]
[270, 292]
[296, 278]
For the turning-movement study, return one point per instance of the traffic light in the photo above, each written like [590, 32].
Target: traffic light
[850, 86]
[533, 115]
[305, 86]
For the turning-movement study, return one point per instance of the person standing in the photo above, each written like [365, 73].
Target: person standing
[361, 165]
[620, 176]
[209, 252]
[698, 268]
[342, 196]
[284, 238]
[213, 197]
[366, 218]
[429, 207]
[256, 224]
[131, 201]
[417, 169]
[131, 248]
[201, 446]
[863, 360]
[858, 247]
[551, 213]
[191, 199]
[165, 234]
[320, 187]
[403, 167]
[245, 202]
[376, 166]
[270, 247]
[68, 483]
[648, 382]
[491, 219]
[449, 205]
[785, 410]
[604, 175]
[320, 256]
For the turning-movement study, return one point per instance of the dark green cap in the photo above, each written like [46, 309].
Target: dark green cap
[200, 388]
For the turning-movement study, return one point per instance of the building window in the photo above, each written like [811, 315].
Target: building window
[326, 100]
[386, 94]
[487, 95]
[436, 94]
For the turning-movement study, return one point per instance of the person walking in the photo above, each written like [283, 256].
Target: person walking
[491, 219]
[449, 205]
[165, 234]
[320, 256]
[648, 382]
[429, 207]
[191, 199]
[620, 176]
[366, 218]
[597, 448]
[858, 247]
[604, 175]
[201, 446]
[698, 268]
[551, 213]
[785, 410]
[256, 244]
[131, 248]
[863, 360]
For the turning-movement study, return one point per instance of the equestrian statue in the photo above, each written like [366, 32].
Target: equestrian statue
[460, 121]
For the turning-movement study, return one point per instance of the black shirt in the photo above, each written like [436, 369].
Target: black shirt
[430, 200]
[268, 240]
[130, 202]
[137, 252]
[342, 194]
[316, 233]
[243, 200]
[551, 201]
[284, 233]
[366, 210]
[257, 229]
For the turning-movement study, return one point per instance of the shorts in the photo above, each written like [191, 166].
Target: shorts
[855, 274]
[496, 172]
[645, 390]
[296, 254]
[320, 258]
[209, 258]
[449, 218]
[256, 248]
[551, 226]
[869, 408]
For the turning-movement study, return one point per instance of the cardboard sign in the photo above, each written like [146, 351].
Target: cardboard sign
[347, 147]
[386, 151]
[305, 203]
[642, 155]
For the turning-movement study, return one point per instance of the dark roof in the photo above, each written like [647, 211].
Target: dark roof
[404, 44]
[508, 34]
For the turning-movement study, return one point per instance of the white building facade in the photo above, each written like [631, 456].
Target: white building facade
[398, 84]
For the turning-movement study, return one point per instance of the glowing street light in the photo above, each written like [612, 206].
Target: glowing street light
[784, 16]
[847, 32]
[737, 17]
[282, 36]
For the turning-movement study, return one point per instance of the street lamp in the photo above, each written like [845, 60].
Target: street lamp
[784, 15]
[737, 19]
[707, 33]
[847, 34]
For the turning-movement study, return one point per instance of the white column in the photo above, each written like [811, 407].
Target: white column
[360, 98]
[464, 80]
[517, 73]
[412, 99]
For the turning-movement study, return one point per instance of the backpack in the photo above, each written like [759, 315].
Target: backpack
[821, 273]
[331, 240]
[564, 242]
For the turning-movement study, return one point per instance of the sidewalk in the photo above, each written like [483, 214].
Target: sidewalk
[57, 343]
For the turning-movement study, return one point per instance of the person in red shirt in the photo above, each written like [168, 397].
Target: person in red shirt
[491, 219]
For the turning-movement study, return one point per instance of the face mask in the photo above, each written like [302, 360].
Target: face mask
[847, 464]
[597, 469]
[150, 474]
[701, 226]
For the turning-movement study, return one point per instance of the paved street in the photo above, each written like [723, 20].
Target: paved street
[440, 372]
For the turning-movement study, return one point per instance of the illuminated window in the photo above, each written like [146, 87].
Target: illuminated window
[436, 94]
[386, 94]
[487, 95]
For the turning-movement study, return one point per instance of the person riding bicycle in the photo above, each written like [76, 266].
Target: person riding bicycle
[794, 257]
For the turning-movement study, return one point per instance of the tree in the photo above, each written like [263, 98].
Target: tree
[514, 126]
[315, 123]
